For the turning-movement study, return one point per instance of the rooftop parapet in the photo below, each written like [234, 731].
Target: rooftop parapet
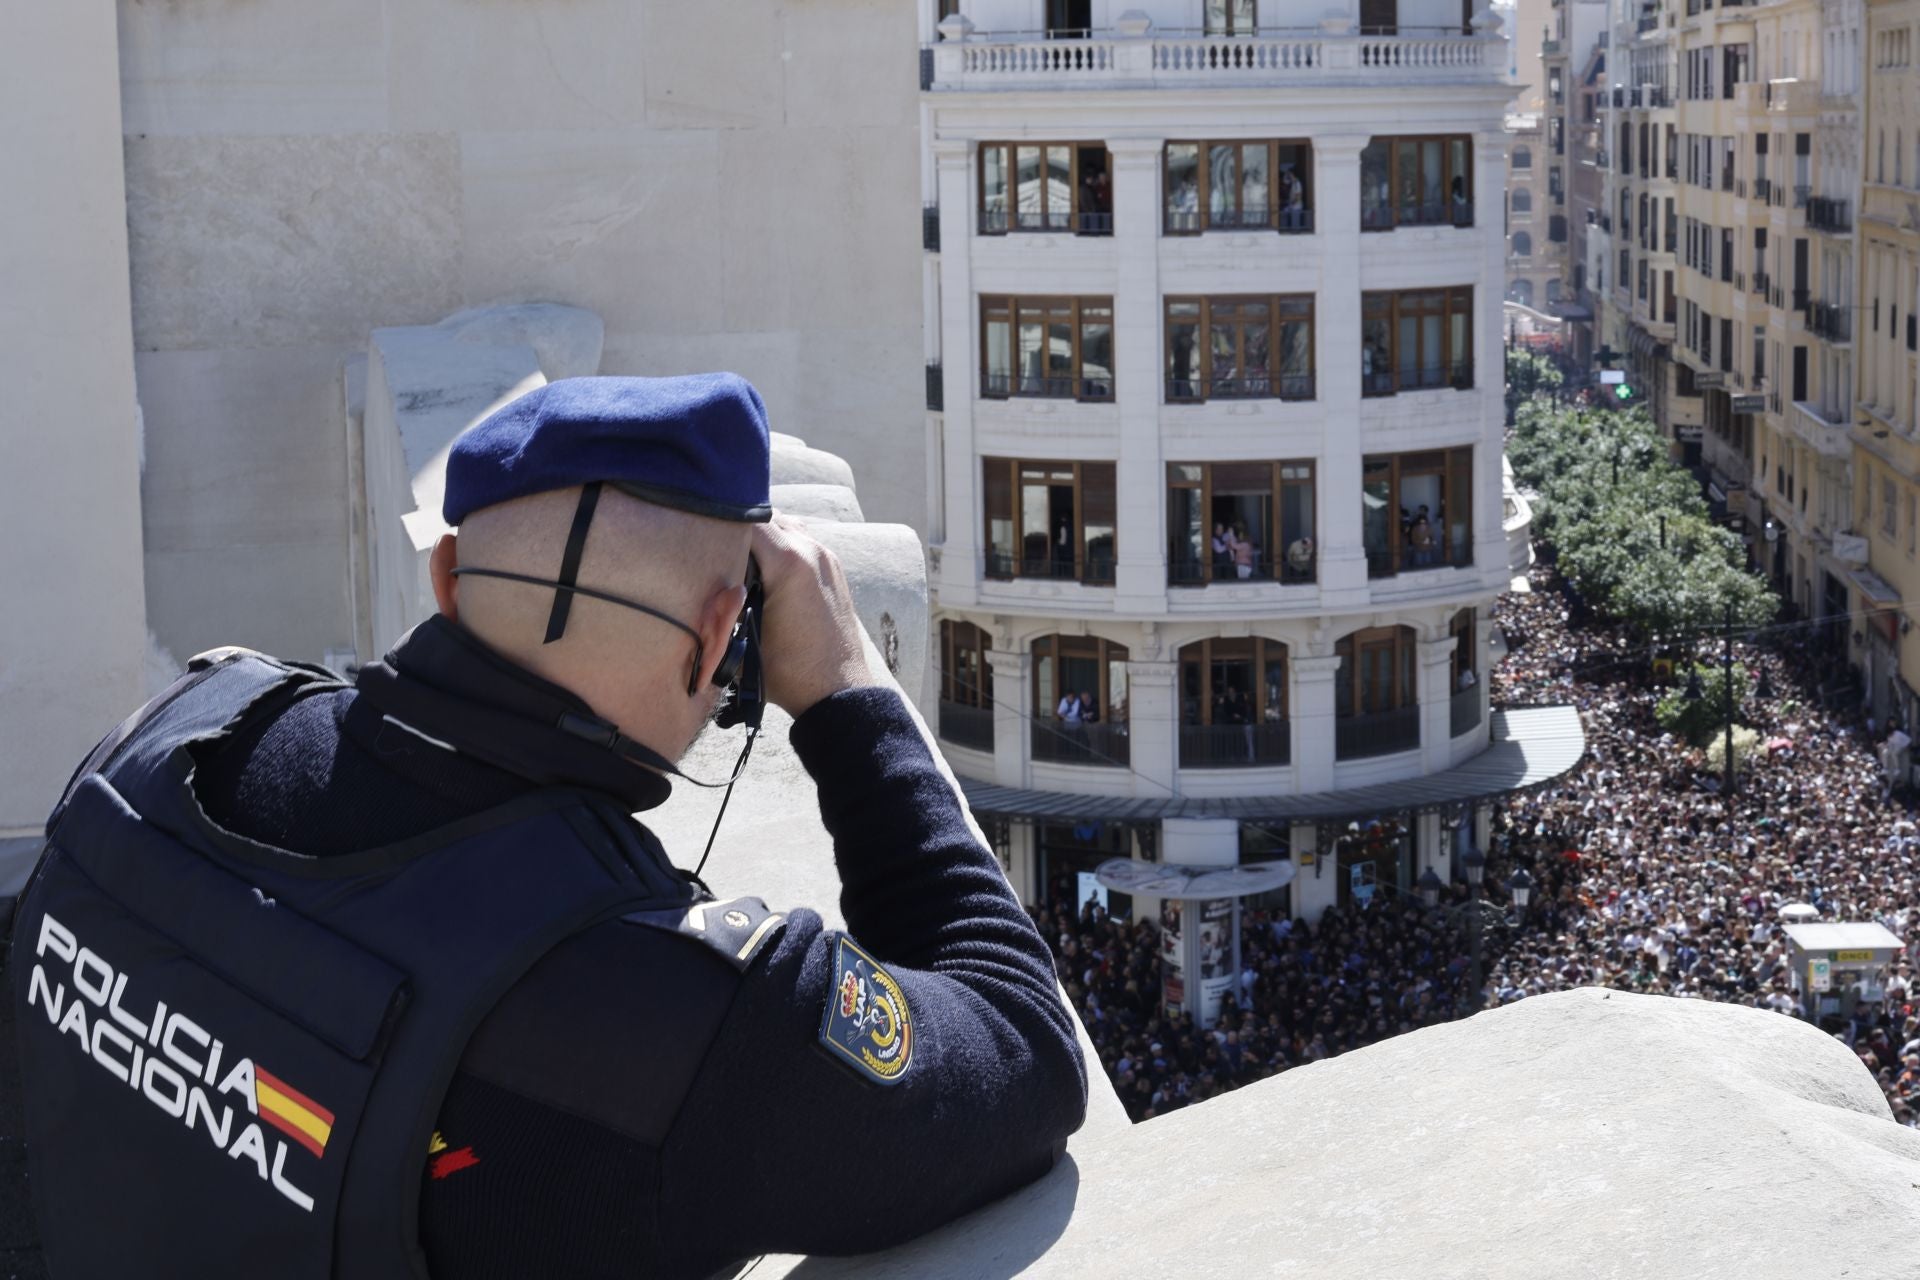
[1132, 56]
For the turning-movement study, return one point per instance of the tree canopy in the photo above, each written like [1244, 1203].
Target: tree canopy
[1632, 532]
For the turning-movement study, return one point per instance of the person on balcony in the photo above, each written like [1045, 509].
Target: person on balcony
[1300, 557]
[1243, 553]
[1293, 200]
[1422, 539]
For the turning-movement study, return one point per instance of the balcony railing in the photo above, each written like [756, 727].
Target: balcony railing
[1021, 60]
[1095, 744]
[1387, 382]
[1287, 221]
[1646, 24]
[1464, 716]
[999, 222]
[1097, 572]
[1296, 567]
[1236, 746]
[936, 388]
[1802, 299]
[1000, 386]
[1826, 320]
[966, 726]
[1826, 214]
[1285, 386]
[1380, 734]
[1439, 213]
[1387, 562]
[1762, 283]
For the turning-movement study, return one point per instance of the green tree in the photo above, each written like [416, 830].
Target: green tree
[1700, 720]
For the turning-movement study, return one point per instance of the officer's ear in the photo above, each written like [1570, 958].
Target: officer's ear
[715, 625]
[440, 567]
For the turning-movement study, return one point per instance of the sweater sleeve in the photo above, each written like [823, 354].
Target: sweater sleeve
[782, 1145]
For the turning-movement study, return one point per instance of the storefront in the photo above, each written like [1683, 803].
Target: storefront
[1069, 855]
[1373, 857]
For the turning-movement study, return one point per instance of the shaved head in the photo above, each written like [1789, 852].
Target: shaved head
[631, 668]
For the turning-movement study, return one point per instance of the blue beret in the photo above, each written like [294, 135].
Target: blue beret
[696, 443]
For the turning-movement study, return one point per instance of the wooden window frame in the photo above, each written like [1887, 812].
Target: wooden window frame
[956, 635]
[1232, 31]
[1465, 629]
[1203, 212]
[1202, 652]
[1014, 468]
[1405, 666]
[1014, 304]
[1277, 482]
[1455, 300]
[1105, 653]
[1391, 218]
[1452, 461]
[1276, 304]
[1078, 221]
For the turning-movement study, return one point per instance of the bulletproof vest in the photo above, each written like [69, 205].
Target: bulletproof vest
[233, 1055]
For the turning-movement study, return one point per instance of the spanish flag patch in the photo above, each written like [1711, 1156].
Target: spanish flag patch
[292, 1112]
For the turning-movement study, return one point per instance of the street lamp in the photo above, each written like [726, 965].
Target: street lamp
[1430, 888]
[1474, 863]
[1521, 887]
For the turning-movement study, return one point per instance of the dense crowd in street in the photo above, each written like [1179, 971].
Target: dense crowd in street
[1640, 883]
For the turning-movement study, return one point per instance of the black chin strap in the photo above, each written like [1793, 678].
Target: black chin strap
[570, 561]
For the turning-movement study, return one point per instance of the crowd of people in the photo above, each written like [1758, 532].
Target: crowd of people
[1645, 879]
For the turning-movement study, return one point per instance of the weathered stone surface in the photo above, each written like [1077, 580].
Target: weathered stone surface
[567, 340]
[890, 565]
[1587, 1134]
[273, 241]
[810, 466]
[818, 502]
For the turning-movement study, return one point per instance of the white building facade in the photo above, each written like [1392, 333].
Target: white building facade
[1215, 403]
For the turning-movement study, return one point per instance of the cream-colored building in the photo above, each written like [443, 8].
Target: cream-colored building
[1218, 507]
[1886, 453]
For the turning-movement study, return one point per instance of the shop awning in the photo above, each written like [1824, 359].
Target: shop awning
[1875, 588]
[1531, 746]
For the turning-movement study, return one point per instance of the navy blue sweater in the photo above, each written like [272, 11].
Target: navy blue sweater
[636, 1105]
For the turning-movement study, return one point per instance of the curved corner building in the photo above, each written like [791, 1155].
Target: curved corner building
[1214, 409]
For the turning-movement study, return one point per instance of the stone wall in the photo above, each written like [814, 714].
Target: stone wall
[73, 638]
[726, 191]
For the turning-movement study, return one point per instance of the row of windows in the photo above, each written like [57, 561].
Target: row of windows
[1239, 184]
[1234, 346]
[1226, 521]
[1073, 19]
[1234, 695]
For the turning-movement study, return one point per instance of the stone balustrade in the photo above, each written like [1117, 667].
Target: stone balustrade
[987, 62]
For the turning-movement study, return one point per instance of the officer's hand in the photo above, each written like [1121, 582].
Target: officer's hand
[811, 643]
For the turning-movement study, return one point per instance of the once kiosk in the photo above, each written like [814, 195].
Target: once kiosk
[1835, 965]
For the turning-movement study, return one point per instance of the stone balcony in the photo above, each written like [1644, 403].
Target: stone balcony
[969, 61]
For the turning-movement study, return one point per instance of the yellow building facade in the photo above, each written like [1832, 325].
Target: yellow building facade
[1886, 453]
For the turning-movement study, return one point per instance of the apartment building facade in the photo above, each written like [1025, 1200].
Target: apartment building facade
[1217, 507]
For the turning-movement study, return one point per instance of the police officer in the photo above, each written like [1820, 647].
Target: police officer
[384, 980]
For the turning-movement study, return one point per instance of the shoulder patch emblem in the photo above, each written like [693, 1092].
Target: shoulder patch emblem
[867, 1024]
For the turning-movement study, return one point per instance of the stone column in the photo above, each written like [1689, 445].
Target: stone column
[1343, 561]
[959, 574]
[1436, 704]
[1489, 361]
[1012, 713]
[1140, 584]
[1430, 849]
[1313, 733]
[1153, 738]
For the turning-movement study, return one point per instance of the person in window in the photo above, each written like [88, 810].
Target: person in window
[1243, 551]
[1300, 557]
[1089, 707]
[1222, 551]
[1068, 713]
[1293, 200]
[1422, 540]
[1466, 681]
[1243, 716]
[1462, 211]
